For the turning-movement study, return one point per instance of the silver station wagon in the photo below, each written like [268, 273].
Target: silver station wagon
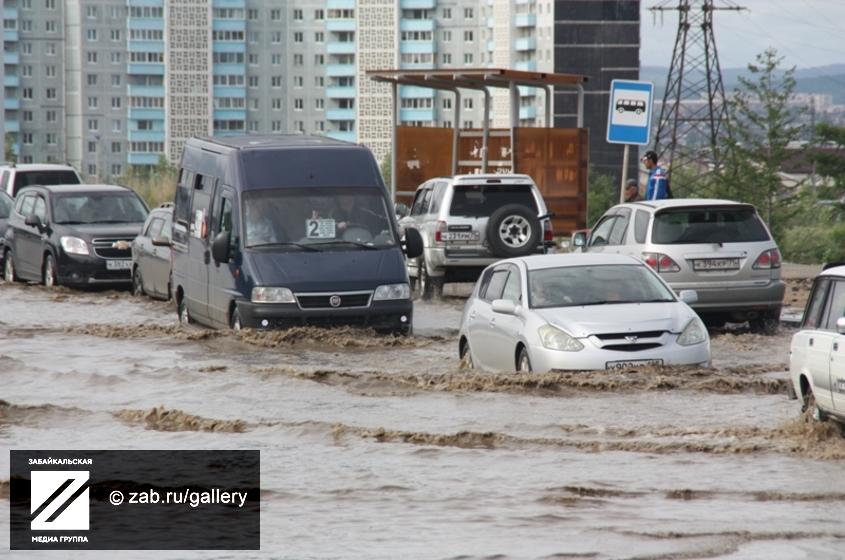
[719, 248]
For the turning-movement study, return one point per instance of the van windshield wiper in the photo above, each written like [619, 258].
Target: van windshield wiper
[614, 302]
[355, 243]
[280, 244]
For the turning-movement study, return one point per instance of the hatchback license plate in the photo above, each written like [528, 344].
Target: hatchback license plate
[632, 363]
[119, 265]
[461, 236]
[716, 264]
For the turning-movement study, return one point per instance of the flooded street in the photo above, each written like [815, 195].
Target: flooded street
[375, 447]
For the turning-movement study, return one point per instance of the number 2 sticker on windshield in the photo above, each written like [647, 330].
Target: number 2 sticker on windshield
[320, 229]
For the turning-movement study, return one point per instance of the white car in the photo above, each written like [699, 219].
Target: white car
[578, 312]
[14, 177]
[817, 352]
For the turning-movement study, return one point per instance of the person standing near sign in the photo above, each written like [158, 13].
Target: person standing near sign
[658, 183]
[632, 191]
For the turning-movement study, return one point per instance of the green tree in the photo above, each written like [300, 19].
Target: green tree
[830, 164]
[9, 140]
[762, 125]
[387, 168]
[602, 193]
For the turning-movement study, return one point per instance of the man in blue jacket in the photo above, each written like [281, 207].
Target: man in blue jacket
[658, 182]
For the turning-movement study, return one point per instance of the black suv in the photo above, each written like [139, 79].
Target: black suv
[77, 235]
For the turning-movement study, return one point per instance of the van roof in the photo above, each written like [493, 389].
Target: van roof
[274, 142]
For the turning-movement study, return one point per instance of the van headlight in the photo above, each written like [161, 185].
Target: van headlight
[263, 294]
[693, 333]
[74, 245]
[554, 338]
[392, 291]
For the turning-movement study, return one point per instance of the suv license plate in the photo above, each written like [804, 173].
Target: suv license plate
[632, 363]
[461, 236]
[119, 265]
[716, 264]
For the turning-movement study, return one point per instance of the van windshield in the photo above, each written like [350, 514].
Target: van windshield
[738, 224]
[89, 208]
[317, 218]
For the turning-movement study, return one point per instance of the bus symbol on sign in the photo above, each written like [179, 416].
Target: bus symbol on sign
[631, 105]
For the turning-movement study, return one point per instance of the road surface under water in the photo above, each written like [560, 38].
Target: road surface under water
[376, 447]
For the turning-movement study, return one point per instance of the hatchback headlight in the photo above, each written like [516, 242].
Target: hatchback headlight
[693, 333]
[554, 338]
[392, 291]
[262, 294]
[74, 245]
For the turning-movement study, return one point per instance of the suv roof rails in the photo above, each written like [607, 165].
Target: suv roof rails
[166, 205]
[825, 266]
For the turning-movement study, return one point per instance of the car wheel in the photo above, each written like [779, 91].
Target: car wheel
[766, 323]
[235, 322]
[184, 314]
[430, 287]
[811, 409]
[523, 362]
[137, 283]
[466, 357]
[50, 278]
[513, 231]
[9, 274]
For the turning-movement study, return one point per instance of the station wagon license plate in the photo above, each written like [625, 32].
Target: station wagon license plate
[716, 264]
[125, 264]
[624, 364]
[461, 236]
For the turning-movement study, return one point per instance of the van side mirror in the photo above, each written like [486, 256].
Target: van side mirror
[401, 210]
[220, 247]
[504, 306]
[33, 221]
[413, 243]
[579, 239]
[688, 296]
[840, 325]
[160, 241]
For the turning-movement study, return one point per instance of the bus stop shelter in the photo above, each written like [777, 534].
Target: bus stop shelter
[556, 158]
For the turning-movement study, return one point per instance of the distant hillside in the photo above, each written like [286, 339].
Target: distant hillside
[823, 79]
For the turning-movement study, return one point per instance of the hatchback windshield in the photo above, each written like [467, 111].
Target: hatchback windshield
[595, 285]
[476, 201]
[51, 177]
[91, 208]
[346, 218]
[708, 225]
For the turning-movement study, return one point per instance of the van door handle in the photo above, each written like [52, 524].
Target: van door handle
[206, 257]
[835, 346]
[811, 342]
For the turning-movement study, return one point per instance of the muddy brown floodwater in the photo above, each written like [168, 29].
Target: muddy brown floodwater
[381, 448]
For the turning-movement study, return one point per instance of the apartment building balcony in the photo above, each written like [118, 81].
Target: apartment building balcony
[146, 46]
[340, 25]
[340, 114]
[146, 136]
[346, 136]
[228, 25]
[526, 44]
[229, 91]
[491, 45]
[340, 70]
[12, 126]
[340, 5]
[145, 23]
[525, 20]
[11, 103]
[145, 68]
[152, 114]
[416, 115]
[417, 4]
[229, 69]
[340, 92]
[415, 91]
[11, 81]
[340, 48]
[229, 114]
[145, 91]
[11, 57]
[10, 12]
[416, 25]
[143, 158]
[228, 4]
[228, 46]
[528, 112]
[417, 47]
[10, 35]
[526, 65]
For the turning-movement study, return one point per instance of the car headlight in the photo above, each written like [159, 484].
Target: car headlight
[392, 291]
[693, 333]
[554, 338]
[74, 245]
[263, 294]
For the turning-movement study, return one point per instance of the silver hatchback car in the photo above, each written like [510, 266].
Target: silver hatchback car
[719, 248]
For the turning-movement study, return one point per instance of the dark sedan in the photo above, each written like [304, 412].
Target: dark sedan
[72, 235]
[6, 204]
[151, 255]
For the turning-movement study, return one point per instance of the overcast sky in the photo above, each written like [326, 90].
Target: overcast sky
[806, 32]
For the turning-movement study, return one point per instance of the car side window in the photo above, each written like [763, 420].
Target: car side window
[26, 205]
[417, 206]
[601, 234]
[513, 291]
[40, 209]
[836, 305]
[496, 285]
[815, 305]
[484, 281]
[155, 228]
[4, 181]
[617, 234]
[640, 226]
[437, 197]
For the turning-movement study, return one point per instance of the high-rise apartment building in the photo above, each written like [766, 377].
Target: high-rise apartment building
[108, 85]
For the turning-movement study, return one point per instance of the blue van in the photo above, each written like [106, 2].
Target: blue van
[277, 231]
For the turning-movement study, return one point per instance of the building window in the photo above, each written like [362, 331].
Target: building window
[447, 103]
[115, 34]
[115, 147]
[92, 169]
[27, 138]
[319, 15]
[253, 59]
[447, 58]
[319, 37]
[51, 138]
[447, 13]
[297, 81]
[254, 104]
[26, 93]
[319, 104]
[447, 36]
[51, 116]
[275, 14]
[91, 34]
[276, 81]
[93, 102]
[468, 37]
[252, 126]
[27, 116]
[116, 170]
[252, 15]
[50, 70]
[116, 126]
[319, 81]
[276, 37]
[253, 81]
[297, 15]
[115, 103]
[26, 4]
[92, 79]
[468, 14]
[298, 60]
[93, 125]
[319, 59]
[319, 126]
[91, 12]
[275, 59]
[115, 80]
[51, 93]
[92, 57]
[276, 126]
[92, 148]
[254, 37]
[50, 49]
[467, 58]
[298, 104]
[115, 58]
[276, 104]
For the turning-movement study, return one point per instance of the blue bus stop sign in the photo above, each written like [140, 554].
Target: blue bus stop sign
[629, 114]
